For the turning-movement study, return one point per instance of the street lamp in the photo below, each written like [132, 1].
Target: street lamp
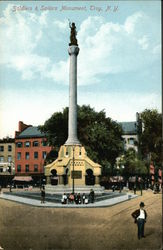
[73, 148]
[117, 174]
[120, 176]
[122, 167]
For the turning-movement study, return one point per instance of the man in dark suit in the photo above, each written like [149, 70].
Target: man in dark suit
[140, 216]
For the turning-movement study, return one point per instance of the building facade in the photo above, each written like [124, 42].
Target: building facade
[31, 149]
[7, 161]
[130, 135]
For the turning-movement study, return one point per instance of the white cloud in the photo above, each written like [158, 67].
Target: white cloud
[62, 25]
[20, 36]
[29, 64]
[105, 47]
[111, 48]
[132, 22]
[59, 72]
[143, 42]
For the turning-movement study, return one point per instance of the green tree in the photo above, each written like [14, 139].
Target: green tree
[150, 139]
[99, 134]
[132, 165]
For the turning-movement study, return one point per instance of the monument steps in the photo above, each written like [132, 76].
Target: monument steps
[60, 189]
[56, 198]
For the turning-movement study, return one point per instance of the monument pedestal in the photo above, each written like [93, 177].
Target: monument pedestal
[72, 164]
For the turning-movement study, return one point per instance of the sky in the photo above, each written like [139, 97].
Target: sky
[119, 62]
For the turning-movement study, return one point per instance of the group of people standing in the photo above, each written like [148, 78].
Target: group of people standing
[78, 198]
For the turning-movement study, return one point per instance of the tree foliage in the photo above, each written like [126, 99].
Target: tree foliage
[132, 165]
[100, 135]
[150, 139]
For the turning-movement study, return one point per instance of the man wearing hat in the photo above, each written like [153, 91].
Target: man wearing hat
[140, 216]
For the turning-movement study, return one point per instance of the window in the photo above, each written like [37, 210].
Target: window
[1, 170]
[1, 148]
[35, 168]
[44, 154]
[27, 155]
[66, 152]
[26, 168]
[9, 158]
[18, 156]
[35, 144]
[27, 144]
[131, 141]
[35, 155]
[9, 148]
[18, 168]
[1, 158]
[19, 144]
[44, 143]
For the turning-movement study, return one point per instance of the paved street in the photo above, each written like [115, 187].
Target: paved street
[25, 227]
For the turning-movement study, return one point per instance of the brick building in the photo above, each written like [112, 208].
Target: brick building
[31, 149]
[7, 160]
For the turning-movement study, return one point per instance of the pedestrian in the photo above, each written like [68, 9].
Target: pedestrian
[86, 200]
[71, 198]
[76, 198]
[113, 188]
[92, 196]
[83, 198]
[64, 199]
[43, 195]
[79, 198]
[140, 216]
[135, 188]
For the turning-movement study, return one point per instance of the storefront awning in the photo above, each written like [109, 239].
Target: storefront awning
[132, 179]
[22, 178]
[116, 179]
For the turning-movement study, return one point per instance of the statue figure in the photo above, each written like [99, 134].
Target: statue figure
[73, 40]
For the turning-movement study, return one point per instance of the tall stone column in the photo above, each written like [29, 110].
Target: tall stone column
[73, 51]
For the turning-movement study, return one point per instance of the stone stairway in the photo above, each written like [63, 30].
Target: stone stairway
[56, 198]
[60, 189]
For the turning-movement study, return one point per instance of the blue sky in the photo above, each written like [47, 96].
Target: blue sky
[119, 63]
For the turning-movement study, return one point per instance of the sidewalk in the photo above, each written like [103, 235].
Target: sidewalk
[37, 203]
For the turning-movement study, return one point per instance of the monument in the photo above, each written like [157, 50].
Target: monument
[73, 170]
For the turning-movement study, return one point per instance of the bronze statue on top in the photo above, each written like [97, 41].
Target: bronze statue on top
[73, 40]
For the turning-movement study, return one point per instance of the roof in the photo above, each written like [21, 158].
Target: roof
[31, 132]
[7, 140]
[129, 127]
